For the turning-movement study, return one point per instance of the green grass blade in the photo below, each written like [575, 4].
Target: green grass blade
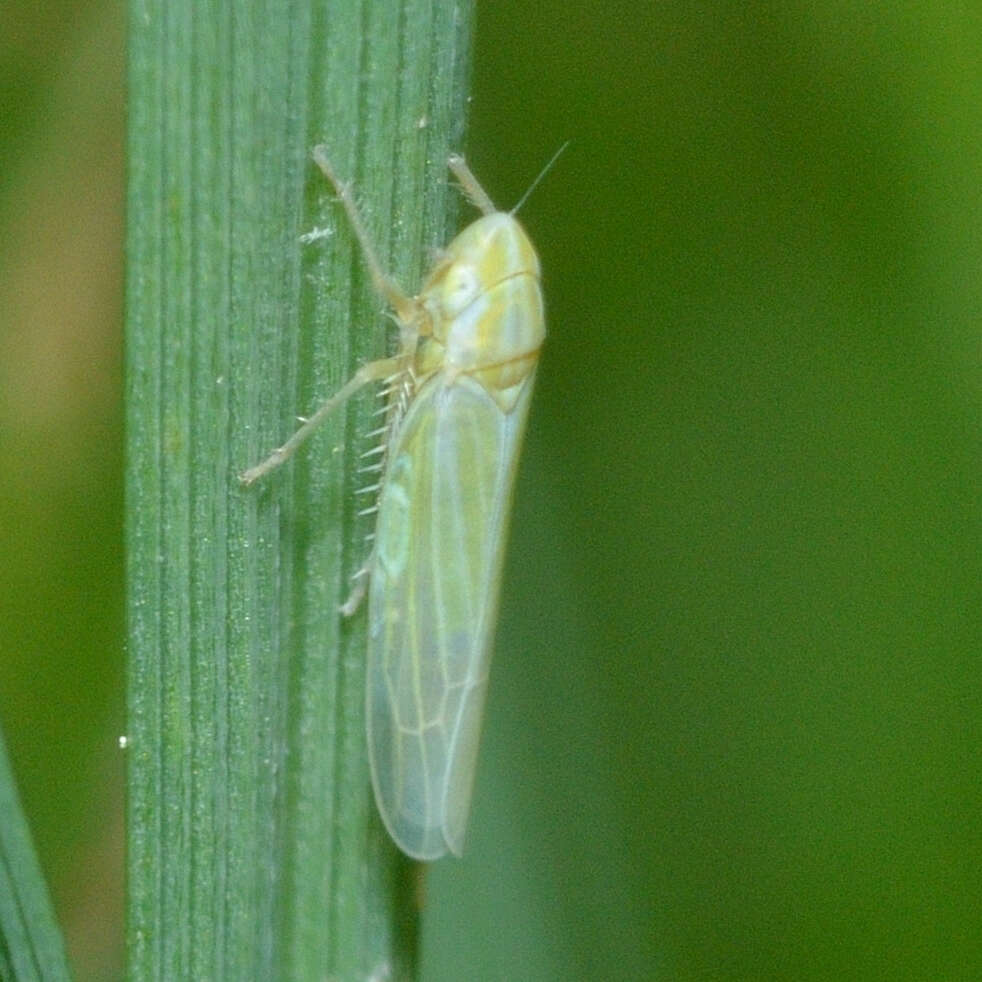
[254, 848]
[31, 947]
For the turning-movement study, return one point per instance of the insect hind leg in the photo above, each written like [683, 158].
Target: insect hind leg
[358, 590]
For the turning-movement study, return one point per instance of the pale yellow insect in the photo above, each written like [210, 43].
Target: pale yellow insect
[458, 396]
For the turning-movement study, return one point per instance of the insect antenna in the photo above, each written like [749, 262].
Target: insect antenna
[542, 173]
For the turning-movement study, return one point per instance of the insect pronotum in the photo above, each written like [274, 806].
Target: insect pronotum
[458, 393]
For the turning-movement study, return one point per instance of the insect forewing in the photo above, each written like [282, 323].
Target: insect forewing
[433, 605]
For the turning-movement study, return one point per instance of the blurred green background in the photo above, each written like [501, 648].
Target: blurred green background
[735, 725]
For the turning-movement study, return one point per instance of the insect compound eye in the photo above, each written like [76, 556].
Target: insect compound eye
[460, 287]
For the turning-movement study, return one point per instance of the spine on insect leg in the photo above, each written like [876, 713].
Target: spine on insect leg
[396, 392]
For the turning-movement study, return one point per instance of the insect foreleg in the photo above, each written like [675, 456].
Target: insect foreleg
[470, 185]
[401, 303]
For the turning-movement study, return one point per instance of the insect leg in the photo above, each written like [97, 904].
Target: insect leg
[470, 185]
[401, 303]
[371, 371]
[358, 590]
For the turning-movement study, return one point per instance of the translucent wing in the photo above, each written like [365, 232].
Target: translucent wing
[440, 539]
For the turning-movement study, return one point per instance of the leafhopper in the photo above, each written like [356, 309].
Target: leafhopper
[458, 392]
